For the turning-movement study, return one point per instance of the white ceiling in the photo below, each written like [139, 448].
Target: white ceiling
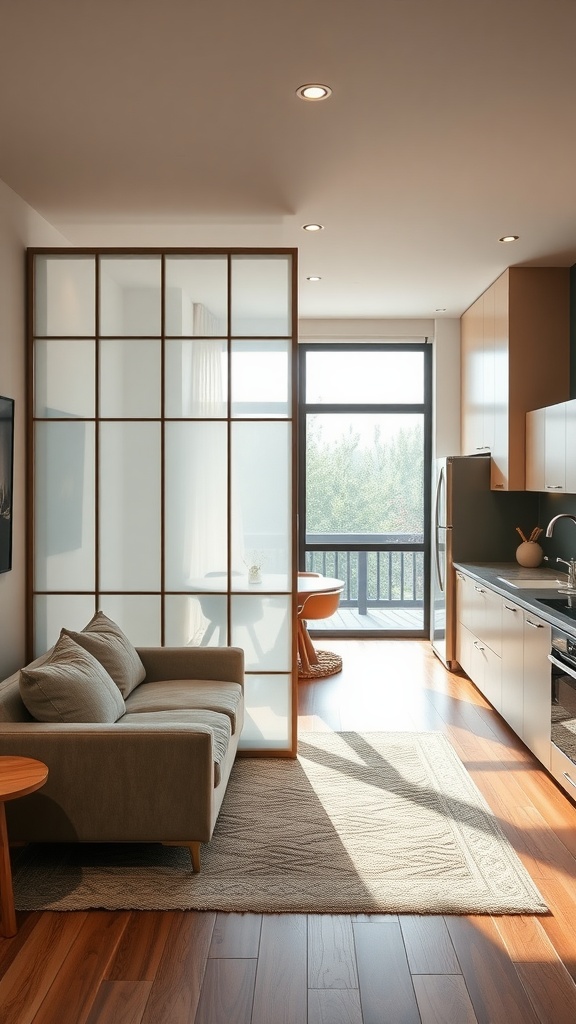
[175, 122]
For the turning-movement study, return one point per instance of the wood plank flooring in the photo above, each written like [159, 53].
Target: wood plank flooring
[206, 968]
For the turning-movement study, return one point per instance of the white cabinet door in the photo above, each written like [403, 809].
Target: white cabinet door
[535, 450]
[512, 707]
[555, 448]
[536, 724]
[571, 446]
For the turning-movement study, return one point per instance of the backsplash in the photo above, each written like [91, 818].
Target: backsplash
[562, 544]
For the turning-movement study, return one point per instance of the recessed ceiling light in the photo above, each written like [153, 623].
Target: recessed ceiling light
[509, 238]
[312, 227]
[313, 278]
[440, 309]
[314, 92]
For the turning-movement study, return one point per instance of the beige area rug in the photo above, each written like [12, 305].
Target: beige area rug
[360, 823]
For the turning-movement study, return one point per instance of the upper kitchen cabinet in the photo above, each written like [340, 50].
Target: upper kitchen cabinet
[515, 357]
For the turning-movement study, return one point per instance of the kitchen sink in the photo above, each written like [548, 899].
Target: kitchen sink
[535, 584]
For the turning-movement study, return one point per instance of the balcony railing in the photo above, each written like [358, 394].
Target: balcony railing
[373, 577]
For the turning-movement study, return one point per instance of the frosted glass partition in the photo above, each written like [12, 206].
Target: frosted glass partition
[130, 500]
[138, 615]
[65, 296]
[130, 296]
[196, 620]
[260, 378]
[123, 363]
[196, 490]
[261, 503]
[55, 364]
[196, 296]
[196, 378]
[261, 625]
[162, 456]
[268, 715]
[64, 514]
[261, 296]
[52, 612]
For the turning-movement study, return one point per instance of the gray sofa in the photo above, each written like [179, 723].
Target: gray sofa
[156, 774]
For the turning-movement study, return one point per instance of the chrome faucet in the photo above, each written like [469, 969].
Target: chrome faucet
[563, 515]
[572, 563]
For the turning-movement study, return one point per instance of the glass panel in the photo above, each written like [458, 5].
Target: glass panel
[261, 496]
[261, 296]
[130, 296]
[196, 505]
[64, 296]
[382, 589]
[196, 621]
[260, 378]
[364, 475]
[197, 296]
[261, 625]
[130, 376]
[64, 505]
[196, 378]
[355, 378]
[268, 713]
[130, 506]
[137, 615]
[52, 612]
[64, 378]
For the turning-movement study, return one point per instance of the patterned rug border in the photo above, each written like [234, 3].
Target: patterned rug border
[279, 848]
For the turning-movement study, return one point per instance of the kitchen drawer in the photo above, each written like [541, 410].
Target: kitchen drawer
[563, 770]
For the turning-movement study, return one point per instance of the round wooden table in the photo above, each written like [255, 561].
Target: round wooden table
[18, 777]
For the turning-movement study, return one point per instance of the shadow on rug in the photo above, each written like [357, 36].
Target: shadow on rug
[359, 823]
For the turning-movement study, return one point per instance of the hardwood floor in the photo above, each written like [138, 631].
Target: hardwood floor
[205, 968]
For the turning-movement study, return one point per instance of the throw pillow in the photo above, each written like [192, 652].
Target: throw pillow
[71, 686]
[106, 642]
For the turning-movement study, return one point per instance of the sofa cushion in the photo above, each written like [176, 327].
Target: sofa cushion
[112, 648]
[70, 686]
[219, 726]
[175, 694]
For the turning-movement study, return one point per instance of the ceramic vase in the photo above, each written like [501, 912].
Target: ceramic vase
[529, 554]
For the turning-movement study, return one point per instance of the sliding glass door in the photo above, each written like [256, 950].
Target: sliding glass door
[365, 418]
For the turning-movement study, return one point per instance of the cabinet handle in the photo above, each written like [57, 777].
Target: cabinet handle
[554, 487]
[535, 625]
[509, 608]
[478, 645]
[496, 486]
[479, 590]
[571, 781]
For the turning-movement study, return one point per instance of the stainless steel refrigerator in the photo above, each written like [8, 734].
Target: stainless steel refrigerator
[470, 523]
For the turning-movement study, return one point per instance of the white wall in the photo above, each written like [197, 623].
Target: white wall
[20, 226]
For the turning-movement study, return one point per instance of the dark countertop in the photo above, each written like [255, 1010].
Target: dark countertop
[490, 573]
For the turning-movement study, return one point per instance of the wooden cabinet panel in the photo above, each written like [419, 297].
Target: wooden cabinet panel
[505, 333]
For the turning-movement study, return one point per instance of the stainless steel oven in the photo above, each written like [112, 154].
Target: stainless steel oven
[563, 694]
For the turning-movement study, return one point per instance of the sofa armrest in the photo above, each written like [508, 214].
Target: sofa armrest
[114, 782]
[216, 663]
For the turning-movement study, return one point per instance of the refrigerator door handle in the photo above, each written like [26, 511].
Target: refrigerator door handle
[439, 486]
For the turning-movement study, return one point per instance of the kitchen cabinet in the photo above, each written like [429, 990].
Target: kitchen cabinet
[536, 716]
[479, 638]
[504, 650]
[515, 358]
[551, 448]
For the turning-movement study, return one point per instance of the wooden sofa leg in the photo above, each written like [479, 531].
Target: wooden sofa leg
[194, 849]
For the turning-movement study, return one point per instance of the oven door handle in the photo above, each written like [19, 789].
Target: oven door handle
[562, 665]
